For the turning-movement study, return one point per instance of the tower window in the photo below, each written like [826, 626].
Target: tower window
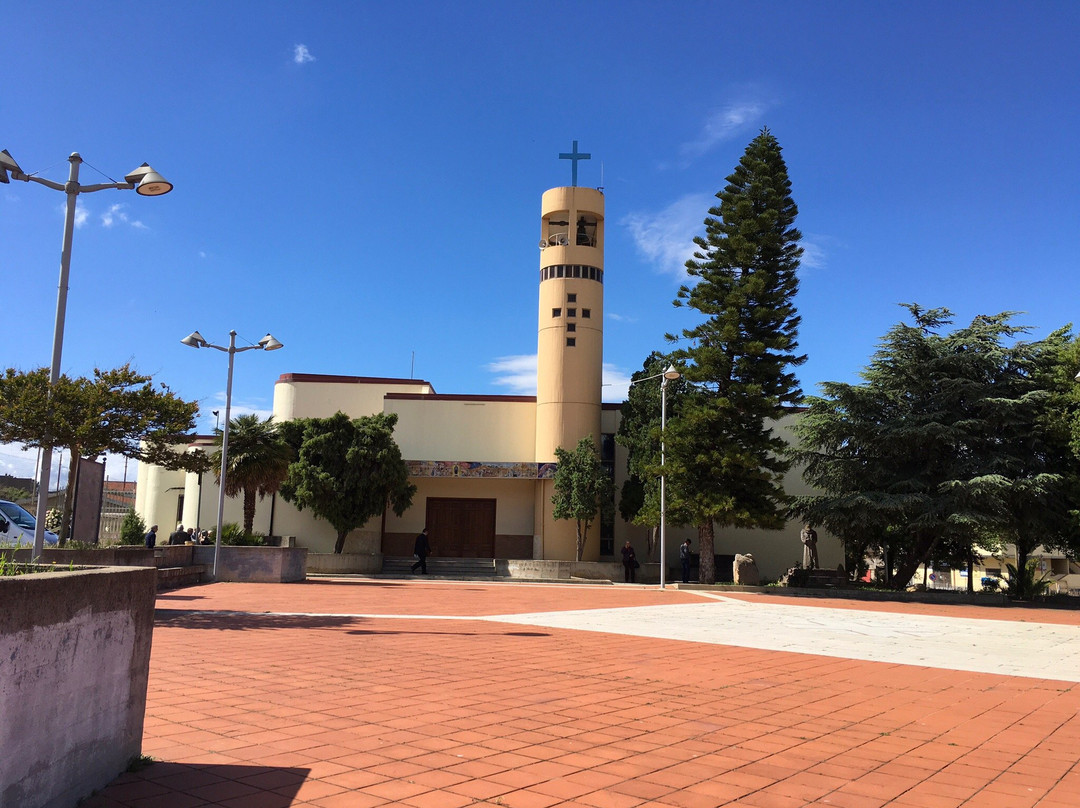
[556, 312]
[586, 313]
[571, 312]
[571, 342]
[571, 327]
[571, 297]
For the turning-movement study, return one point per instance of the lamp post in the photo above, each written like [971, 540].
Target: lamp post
[668, 375]
[196, 340]
[145, 182]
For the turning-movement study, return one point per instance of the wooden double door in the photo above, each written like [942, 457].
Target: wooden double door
[461, 528]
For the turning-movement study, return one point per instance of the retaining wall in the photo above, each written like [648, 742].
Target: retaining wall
[74, 663]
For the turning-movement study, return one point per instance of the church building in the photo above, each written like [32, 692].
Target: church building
[483, 465]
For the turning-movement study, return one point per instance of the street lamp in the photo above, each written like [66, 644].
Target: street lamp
[668, 375]
[145, 182]
[196, 340]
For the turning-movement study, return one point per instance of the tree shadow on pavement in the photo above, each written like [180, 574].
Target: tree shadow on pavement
[246, 621]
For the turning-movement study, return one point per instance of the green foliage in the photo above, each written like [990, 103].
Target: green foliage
[14, 494]
[347, 470]
[258, 462]
[725, 464]
[117, 411]
[583, 489]
[1026, 582]
[242, 539]
[951, 440]
[133, 528]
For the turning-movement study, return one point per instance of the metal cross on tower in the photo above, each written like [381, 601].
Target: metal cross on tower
[575, 155]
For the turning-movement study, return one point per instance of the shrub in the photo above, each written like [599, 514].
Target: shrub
[133, 528]
[233, 534]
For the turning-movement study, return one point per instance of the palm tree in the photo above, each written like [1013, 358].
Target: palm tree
[258, 461]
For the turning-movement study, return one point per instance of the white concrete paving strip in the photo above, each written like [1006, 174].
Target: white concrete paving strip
[1034, 650]
[1009, 648]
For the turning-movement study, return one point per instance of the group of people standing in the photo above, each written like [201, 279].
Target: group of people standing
[178, 536]
[631, 565]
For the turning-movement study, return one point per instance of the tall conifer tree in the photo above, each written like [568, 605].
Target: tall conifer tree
[725, 462]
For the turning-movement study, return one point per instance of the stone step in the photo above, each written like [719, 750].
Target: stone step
[173, 577]
[441, 567]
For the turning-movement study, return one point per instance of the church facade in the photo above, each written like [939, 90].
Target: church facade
[483, 465]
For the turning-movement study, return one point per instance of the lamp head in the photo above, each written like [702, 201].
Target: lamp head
[7, 163]
[268, 343]
[1077, 377]
[195, 340]
[148, 182]
[671, 374]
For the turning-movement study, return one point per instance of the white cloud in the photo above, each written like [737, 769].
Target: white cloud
[301, 55]
[722, 125]
[620, 318]
[616, 384]
[518, 373]
[814, 255]
[116, 214]
[666, 238]
[81, 214]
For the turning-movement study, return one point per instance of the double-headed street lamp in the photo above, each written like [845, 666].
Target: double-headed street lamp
[196, 340]
[668, 375]
[145, 182]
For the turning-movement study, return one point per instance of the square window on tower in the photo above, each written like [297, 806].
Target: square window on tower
[586, 313]
[571, 342]
[556, 312]
[571, 297]
[571, 327]
[571, 312]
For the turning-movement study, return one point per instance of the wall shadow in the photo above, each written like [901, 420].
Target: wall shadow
[165, 783]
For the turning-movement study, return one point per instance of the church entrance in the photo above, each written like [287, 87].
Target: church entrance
[461, 528]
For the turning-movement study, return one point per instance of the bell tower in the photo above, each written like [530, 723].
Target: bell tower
[570, 345]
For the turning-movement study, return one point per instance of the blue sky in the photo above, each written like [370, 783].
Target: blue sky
[363, 180]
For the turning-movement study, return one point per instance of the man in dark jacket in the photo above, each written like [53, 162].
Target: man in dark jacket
[421, 549]
[178, 536]
[150, 539]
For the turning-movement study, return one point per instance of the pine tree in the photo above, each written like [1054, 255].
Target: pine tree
[725, 461]
[952, 440]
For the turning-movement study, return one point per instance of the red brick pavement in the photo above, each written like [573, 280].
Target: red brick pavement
[264, 710]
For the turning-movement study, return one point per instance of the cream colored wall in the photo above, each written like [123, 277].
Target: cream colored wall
[321, 399]
[156, 497]
[569, 378]
[471, 429]
[513, 507]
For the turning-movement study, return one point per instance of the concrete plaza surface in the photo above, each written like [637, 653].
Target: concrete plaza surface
[445, 694]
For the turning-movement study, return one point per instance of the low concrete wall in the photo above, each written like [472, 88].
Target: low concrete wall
[116, 556]
[74, 663]
[344, 563]
[565, 570]
[175, 555]
[258, 565]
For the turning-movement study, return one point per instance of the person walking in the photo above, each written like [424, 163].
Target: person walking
[178, 536]
[421, 548]
[150, 539]
[684, 559]
[629, 562]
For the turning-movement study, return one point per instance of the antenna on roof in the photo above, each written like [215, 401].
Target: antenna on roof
[600, 187]
[412, 364]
